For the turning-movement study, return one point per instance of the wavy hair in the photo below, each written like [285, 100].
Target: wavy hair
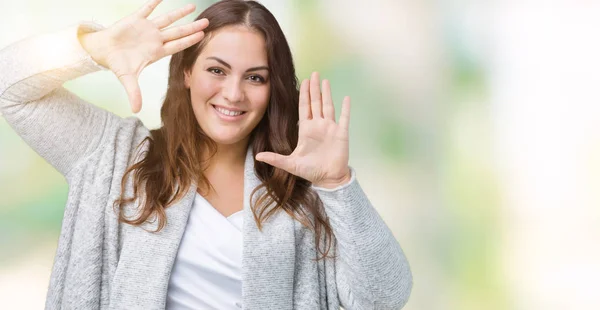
[171, 162]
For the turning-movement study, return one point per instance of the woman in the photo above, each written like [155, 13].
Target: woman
[242, 198]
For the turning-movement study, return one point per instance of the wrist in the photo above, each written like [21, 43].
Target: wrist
[330, 184]
[95, 44]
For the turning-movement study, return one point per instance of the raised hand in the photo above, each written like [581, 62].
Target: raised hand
[134, 42]
[321, 155]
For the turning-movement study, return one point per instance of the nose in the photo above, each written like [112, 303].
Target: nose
[232, 91]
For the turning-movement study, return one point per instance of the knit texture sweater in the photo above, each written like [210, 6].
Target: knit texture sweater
[101, 263]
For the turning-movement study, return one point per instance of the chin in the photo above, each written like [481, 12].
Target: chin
[227, 139]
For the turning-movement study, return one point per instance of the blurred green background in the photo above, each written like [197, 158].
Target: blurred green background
[475, 132]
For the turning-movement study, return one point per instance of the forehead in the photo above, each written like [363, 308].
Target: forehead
[237, 45]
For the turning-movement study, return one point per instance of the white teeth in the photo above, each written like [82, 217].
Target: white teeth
[227, 112]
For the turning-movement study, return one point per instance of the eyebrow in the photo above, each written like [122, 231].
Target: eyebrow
[229, 66]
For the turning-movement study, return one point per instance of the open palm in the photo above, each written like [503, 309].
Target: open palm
[321, 155]
[134, 42]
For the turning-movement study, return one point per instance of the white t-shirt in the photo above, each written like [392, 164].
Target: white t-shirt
[208, 268]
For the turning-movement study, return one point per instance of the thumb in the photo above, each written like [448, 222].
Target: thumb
[132, 88]
[275, 160]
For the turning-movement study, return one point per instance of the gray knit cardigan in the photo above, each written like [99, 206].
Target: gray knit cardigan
[103, 264]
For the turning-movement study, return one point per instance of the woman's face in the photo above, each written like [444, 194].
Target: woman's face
[229, 84]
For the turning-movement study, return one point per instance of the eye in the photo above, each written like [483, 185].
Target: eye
[257, 79]
[216, 71]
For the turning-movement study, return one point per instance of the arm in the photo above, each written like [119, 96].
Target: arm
[372, 272]
[371, 269]
[58, 125]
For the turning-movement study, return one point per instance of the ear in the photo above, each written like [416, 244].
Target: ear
[186, 78]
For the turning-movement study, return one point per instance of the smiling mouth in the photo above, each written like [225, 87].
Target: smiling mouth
[226, 112]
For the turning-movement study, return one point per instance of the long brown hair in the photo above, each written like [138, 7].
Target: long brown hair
[171, 161]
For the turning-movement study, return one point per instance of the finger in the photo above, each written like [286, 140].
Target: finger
[328, 108]
[174, 33]
[303, 101]
[275, 160]
[345, 114]
[173, 16]
[315, 96]
[147, 8]
[175, 46]
[133, 91]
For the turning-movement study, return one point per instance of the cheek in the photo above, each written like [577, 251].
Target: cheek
[261, 98]
[204, 89]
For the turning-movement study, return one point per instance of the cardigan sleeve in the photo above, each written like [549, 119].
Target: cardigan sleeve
[371, 269]
[58, 125]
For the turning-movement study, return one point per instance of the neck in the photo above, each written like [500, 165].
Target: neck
[229, 157]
